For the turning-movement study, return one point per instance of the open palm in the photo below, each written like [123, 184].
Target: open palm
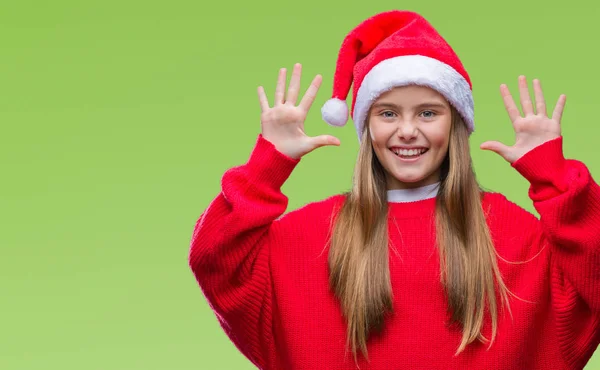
[532, 128]
[283, 124]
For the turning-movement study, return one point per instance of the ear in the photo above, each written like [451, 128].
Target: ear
[367, 135]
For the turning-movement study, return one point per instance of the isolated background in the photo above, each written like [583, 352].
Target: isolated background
[119, 118]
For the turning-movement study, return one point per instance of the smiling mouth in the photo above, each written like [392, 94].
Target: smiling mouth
[409, 153]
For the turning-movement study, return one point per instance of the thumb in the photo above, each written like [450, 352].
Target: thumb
[496, 147]
[323, 140]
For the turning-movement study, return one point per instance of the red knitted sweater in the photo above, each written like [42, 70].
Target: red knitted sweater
[266, 277]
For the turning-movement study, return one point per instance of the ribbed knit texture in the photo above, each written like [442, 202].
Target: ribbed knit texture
[266, 277]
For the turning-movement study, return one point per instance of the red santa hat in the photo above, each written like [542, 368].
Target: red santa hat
[391, 49]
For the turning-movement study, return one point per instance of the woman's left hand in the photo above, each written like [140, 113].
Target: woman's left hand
[533, 128]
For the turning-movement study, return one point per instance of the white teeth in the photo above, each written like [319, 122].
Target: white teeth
[409, 152]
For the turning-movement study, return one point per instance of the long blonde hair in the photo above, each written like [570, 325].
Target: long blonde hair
[358, 257]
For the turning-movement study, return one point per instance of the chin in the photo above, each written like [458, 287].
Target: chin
[410, 179]
[410, 176]
[407, 181]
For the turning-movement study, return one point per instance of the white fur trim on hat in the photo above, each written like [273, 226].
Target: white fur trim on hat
[414, 70]
[335, 112]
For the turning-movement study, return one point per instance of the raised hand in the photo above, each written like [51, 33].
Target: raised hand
[531, 129]
[283, 125]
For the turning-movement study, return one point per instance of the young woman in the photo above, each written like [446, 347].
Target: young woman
[415, 267]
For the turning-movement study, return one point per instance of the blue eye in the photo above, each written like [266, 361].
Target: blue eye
[429, 116]
[390, 112]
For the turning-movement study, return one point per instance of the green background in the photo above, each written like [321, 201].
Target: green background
[120, 117]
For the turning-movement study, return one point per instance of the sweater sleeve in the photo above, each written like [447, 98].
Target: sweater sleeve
[568, 202]
[229, 252]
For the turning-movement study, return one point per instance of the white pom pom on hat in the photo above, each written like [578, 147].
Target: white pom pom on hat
[335, 112]
[390, 49]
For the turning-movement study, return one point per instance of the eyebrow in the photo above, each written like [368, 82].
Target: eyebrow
[422, 105]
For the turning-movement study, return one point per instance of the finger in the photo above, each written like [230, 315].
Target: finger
[323, 140]
[525, 98]
[280, 89]
[509, 103]
[311, 93]
[540, 102]
[560, 106]
[262, 99]
[496, 147]
[292, 95]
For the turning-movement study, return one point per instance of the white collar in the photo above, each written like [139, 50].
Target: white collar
[413, 195]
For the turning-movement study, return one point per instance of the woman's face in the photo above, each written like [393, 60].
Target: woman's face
[410, 130]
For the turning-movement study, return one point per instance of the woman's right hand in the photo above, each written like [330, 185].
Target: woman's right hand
[283, 124]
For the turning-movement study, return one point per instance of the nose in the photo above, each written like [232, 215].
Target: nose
[407, 130]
